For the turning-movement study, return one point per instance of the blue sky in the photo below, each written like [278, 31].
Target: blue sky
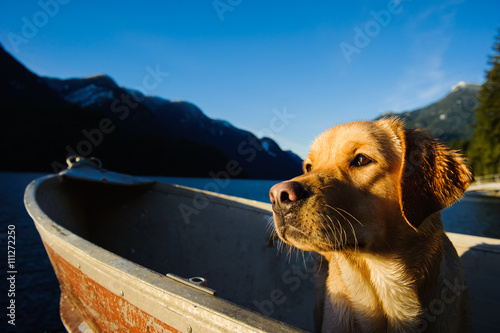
[316, 64]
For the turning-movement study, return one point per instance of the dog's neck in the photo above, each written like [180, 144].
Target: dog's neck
[367, 294]
[381, 292]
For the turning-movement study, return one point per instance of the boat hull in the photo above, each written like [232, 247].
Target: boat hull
[110, 283]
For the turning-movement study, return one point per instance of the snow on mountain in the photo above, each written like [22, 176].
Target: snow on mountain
[95, 89]
[460, 84]
[89, 95]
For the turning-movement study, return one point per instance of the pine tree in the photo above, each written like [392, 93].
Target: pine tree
[484, 150]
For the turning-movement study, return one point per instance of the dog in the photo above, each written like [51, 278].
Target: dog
[368, 203]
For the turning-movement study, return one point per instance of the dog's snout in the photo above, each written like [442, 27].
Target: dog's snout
[285, 194]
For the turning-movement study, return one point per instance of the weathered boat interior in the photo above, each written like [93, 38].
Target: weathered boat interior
[168, 230]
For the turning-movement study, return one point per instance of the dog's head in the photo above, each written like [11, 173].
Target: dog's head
[365, 182]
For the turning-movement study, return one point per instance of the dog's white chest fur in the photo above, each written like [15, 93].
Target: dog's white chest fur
[369, 294]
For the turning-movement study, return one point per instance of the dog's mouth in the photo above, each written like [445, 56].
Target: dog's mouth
[317, 242]
[284, 227]
[290, 231]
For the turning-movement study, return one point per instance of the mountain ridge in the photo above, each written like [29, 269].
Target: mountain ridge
[448, 119]
[49, 118]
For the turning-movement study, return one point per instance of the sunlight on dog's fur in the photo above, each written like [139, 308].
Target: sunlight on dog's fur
[368, 203]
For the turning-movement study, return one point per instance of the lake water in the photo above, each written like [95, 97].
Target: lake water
[37, 290]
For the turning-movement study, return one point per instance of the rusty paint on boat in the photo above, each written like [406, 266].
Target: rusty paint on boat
[96, 307]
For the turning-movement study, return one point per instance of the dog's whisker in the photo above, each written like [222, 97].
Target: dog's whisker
[352, 228]
[304, 260]
[354, 235]
[344, 232]
[270, 225]
[297, 253]
[300, 252]
[290, 252]
[332, 236]
[340, 211]
[341, 240]
[388, 244]
[342, 237]
[329, 233]
[310, 259]
[320, 264]
[334, 232]
[346, 212]
[341, 233]
[287, 250]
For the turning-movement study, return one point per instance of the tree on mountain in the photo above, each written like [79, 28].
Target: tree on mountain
[484, 150]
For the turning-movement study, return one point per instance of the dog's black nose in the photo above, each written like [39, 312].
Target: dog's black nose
[283, 195]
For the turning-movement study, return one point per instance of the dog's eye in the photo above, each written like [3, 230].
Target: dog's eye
[360, 160]
[308, 167]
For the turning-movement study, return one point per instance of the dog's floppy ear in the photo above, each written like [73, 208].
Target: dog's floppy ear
[432, 176]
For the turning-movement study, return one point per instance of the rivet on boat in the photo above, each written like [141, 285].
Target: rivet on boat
[122, 293]
[189, 329]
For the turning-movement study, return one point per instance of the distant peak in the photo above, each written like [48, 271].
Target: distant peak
[463, 84]
[101, 80]
[100, 77]
[460, 84]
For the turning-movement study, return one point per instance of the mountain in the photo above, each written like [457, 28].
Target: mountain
[450, 118]
[46, 119]
[34, 119]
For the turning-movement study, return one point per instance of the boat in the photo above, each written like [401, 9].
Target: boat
[136, 255]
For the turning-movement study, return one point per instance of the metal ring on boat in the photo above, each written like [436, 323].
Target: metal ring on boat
[74, 160]
[199, 281]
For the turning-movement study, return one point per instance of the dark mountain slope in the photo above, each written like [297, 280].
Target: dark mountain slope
[35, 120]
[46, 119]
[170, 121]
[39, 129]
